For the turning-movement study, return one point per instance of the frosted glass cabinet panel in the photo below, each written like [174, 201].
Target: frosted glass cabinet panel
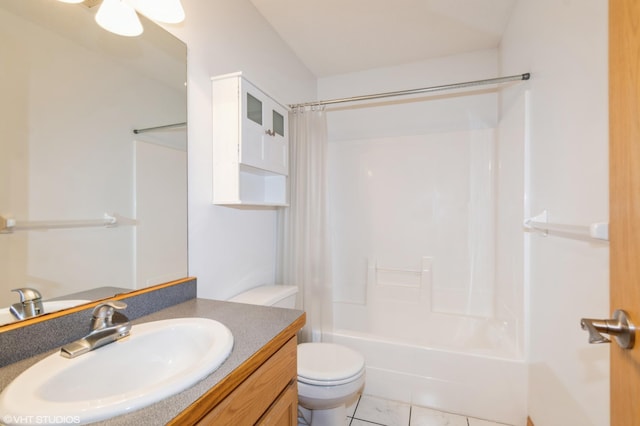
[250, 144]
[254, 109]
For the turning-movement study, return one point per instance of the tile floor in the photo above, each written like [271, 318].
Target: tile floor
[371, 411]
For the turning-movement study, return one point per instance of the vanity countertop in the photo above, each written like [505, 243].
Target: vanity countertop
[254, 328]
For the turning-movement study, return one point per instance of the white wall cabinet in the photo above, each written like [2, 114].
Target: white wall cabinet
[250, 144]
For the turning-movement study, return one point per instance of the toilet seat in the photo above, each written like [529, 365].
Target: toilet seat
[312, 382]
[328, 364]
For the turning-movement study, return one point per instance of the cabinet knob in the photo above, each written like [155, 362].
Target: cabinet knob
[270, 132]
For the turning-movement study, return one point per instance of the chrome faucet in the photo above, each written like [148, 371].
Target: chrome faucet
[105, 329]
[30, 304]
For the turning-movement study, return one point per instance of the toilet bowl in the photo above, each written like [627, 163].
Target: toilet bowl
[329, 375]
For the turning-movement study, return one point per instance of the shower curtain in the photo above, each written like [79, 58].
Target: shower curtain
[305, 257]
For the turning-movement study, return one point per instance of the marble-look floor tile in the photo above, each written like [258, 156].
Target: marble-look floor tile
[421, 416]
[381, 411]
[371, 411]
[358, 422]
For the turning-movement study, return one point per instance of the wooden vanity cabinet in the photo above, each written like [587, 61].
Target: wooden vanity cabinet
[263, 392]
[263, 396]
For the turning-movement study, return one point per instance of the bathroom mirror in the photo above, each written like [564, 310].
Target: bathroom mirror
[85, 202]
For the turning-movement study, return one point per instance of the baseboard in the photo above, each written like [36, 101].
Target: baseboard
[529, 422]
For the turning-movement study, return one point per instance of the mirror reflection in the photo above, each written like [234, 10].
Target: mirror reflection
[86, 203]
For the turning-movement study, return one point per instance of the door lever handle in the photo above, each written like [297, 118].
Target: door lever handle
[619, 327]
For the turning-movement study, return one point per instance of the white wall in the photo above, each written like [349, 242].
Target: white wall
[412, 221]
[231, 249]
[406, 116]
[383, 139]
[388, 162]
[564, 45]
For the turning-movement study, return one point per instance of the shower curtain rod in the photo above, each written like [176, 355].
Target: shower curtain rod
[166, 126]
[497, 80]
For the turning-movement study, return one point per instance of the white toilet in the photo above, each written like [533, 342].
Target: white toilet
[329, 375]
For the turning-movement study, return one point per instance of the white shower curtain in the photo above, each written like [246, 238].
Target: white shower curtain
[305, 257]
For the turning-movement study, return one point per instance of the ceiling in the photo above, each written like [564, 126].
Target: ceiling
[341, 36]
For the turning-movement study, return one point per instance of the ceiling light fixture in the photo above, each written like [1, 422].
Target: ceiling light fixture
[120, 17]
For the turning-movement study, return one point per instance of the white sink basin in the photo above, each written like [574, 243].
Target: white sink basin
[160, 359]
[48, 306]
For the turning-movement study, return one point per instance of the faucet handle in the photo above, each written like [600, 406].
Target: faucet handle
[103, 313]
[105, 309]
[28, 294]
[30, 304]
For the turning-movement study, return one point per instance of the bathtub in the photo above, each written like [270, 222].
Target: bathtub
[463, 365]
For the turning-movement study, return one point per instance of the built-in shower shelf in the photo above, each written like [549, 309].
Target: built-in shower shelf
[594, 231]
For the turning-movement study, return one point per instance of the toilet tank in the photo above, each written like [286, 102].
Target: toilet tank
[283, 296]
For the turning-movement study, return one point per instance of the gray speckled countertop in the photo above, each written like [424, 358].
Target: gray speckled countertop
[252, 328]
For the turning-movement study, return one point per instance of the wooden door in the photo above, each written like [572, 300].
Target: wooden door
[624, 200]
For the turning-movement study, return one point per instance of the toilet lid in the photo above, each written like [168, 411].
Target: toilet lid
[328, 363]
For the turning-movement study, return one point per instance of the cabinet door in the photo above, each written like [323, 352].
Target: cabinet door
[284, 411]
[264, 131]
[273, 381]
[253, 125]
[276, 146]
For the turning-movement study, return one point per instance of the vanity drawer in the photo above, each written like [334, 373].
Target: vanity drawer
[268, 396]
